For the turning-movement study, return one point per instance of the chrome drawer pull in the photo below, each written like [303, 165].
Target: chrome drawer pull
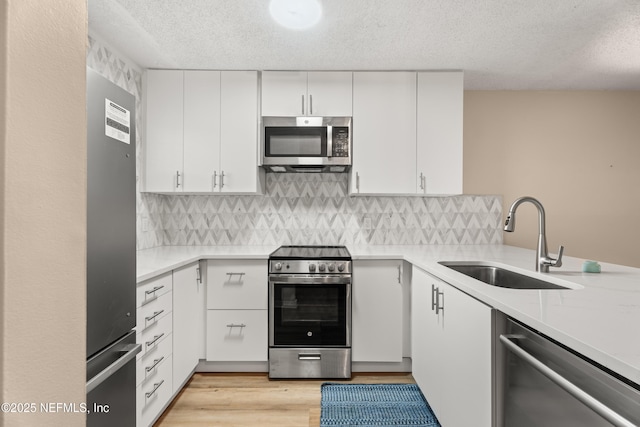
[156, 386]
[151, 292]
[155, 314]
[233, 325]
[154, 290]
[309, 356]
[235, 274]
[155, 363]
[155, 339]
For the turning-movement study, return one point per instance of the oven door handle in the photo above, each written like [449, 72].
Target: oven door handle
[311, 280]
[590, 401]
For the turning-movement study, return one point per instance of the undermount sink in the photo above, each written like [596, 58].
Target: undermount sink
[497, 276]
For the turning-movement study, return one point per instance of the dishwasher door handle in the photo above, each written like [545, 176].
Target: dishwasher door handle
[584, 397]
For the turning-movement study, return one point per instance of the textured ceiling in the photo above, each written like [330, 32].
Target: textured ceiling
[512, 44]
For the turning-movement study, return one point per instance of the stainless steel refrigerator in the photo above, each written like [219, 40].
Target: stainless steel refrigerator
[111, 254]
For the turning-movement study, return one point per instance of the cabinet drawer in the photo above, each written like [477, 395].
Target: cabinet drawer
[237, 335]
[147, 291]
[155, 333]
[147, 365]
[154, 392]
[151, 313]
[237, 284]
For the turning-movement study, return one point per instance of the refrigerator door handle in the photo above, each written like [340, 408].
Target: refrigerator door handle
[131, 351]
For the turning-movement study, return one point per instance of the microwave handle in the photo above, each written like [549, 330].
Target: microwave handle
[329, 141]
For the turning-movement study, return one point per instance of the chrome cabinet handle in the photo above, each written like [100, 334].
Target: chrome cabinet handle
[584, 397]
[235, 274]
[154, 290]
[439, 307]
[357, 182]
[422, 181]
[151, 292]
[234, 325]
[303, 105]
[433, 298]
[155, 314]
[310, 104]
[400, 274]
[156, 386]
[221, 180]
[215, 179]
[198, 275]
[155, 363]
[177, 179]
[155, 340]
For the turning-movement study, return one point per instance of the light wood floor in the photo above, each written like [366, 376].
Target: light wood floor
[221, 399]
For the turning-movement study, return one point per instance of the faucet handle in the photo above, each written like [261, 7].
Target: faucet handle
[558, 262]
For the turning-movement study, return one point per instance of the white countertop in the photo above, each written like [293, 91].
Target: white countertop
[597, 320]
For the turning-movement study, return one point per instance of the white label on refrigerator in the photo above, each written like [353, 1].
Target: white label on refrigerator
[117, 121]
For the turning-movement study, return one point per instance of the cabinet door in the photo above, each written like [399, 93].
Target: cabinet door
[467, 360]
[284, 93]
[384, 133]
[239, 136]
[237, 284]
[427, 359]
[440, 102]
[237, 335]
[377, 311]
[187, 293]
[201, 129]
[330, 93]
[164, 123]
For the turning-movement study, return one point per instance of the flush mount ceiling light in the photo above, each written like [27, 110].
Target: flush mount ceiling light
[296, 14]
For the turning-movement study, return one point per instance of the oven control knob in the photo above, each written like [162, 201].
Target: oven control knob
[340, 267]
[331, 267]
[278, 266]
[312, 267]
[321, 267]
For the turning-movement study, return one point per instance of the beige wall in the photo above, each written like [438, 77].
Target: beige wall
[43, 187]
[577, 152]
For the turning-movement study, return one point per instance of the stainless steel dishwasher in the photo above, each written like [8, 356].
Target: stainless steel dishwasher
[546, 384]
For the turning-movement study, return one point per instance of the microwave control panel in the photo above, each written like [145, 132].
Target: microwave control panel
[340, 141]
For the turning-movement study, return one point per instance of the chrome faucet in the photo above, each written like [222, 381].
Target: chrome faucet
[543, 260]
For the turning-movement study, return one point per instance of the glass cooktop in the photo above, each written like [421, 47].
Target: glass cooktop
[311, 252]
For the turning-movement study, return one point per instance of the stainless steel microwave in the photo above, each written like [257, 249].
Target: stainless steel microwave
[306, 144]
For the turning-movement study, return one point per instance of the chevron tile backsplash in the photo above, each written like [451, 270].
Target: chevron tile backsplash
[315, 209]
[296, 208]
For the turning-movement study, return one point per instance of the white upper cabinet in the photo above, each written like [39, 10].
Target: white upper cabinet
[384, 133]
[201, 144]
[202, 132]
[407, 133]
[238, 169]
[164, 114]
[299, 93]
[439, 147]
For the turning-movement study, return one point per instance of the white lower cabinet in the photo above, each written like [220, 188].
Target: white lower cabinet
[154, 392]
[377, 311]
[452, 351]
[237, 319]
[154, 330]
[188, 321]
[237, 335]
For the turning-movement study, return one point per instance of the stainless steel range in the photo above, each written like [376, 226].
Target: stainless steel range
[310, 312]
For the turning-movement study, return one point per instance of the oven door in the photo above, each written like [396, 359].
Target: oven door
[307, 311]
